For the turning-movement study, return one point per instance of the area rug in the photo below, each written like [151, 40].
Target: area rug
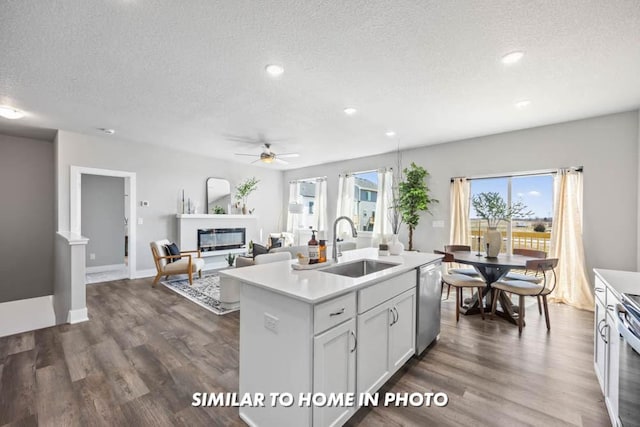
[205, 292]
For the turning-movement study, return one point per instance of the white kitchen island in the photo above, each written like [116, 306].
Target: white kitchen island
[310, 332]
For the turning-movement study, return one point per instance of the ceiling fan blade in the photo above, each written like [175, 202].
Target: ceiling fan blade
[282, 162]
[245, 154]
[255, 161]
[289, 155]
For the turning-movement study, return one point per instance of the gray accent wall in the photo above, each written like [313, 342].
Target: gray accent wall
[607, 147]
[161, 174]
[103, 219]
[26, 218]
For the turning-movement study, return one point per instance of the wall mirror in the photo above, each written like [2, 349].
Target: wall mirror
[218, 196]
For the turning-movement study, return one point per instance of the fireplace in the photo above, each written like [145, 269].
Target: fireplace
[218, 239]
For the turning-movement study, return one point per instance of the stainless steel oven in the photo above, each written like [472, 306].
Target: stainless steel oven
[629, 361]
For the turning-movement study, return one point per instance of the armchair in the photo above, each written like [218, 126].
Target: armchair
[190, 262]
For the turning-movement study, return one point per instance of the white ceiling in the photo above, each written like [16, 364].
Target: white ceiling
[190, 74]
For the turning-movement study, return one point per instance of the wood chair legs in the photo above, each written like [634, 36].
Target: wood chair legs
[155, 281]
[520, 314]
[199, 274]
[546, 311]
[190, 278]
[458, 301]
[539, 304]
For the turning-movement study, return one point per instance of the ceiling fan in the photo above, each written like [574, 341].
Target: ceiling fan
[268, 156]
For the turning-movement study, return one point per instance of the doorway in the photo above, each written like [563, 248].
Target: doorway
[111, 205]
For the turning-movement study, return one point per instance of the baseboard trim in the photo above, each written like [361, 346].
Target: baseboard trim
[103, 268]
[78, 316]
[141, 274]
[26, 315]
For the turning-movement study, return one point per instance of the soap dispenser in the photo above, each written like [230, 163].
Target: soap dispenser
[314, 249]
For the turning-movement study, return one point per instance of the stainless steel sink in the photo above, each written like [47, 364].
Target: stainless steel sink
[358, 268]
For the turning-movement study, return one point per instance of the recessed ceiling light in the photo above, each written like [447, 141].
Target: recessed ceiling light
[522, 104]
[350, 111]
[512, 57]
[390, 133]
[107, 131]
[10, 113]
[274, 70]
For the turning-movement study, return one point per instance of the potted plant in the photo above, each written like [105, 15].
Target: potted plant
[414, 197]
[244, 189]
[492, 207]
[230, 259]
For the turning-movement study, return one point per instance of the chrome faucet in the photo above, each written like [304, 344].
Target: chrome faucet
[354, 233]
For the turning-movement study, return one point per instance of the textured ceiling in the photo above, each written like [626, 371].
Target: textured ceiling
[190, 74]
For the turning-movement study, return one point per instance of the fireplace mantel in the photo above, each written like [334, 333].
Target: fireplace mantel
[218, 216]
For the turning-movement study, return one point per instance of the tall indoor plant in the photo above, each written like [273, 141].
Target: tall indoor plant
[244, 189]
[493, 208]
[414, 197]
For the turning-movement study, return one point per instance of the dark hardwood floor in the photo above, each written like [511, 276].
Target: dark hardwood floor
[145, 351]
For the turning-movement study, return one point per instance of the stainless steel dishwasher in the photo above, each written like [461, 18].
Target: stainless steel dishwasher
[428, 305]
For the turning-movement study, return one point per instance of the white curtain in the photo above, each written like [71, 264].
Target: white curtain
[382, 225]
[460, 198]
[346, 187]
[293, 219]
[573, 286]
[320, 205]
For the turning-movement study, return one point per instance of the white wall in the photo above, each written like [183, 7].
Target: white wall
[161, 176]
[606, 146]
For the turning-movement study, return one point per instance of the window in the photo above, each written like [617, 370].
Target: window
[366, 192]
[307, 196]
[536, 193]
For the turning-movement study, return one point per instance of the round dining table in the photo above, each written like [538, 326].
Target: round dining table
[492, 270]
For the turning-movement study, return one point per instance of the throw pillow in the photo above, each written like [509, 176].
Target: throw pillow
[172, 249]
[276, 242]
[259, 250]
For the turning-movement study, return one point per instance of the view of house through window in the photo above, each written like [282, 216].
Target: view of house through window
[534, 191]
[365, 197]
[307, 197]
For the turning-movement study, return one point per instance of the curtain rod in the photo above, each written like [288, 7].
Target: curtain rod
[317, 178]
[346, 174]
[516, 174]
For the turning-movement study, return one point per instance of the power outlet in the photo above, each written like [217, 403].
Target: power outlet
[92, 256]
[271, 322]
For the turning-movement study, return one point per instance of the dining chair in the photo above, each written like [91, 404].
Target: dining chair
[460, 282]
[523, 288]
[460, 270]
[527, 275]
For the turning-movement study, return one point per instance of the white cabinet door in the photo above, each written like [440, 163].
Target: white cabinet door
[373, 348]
[613, 355]
[402, 334]
[600, 346]
[334, 370]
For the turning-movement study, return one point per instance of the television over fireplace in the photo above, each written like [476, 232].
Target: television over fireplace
[219, 239]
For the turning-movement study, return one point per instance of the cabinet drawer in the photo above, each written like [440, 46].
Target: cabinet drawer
[383, 291]
[600, 290]
[333, 312]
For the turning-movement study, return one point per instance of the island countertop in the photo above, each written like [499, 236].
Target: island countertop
[314, 286]
[620, 281]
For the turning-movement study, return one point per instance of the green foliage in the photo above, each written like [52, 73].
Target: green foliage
[245, 188]
[218, 210]
[492, 207]
[414, 197]
[230, 259]
[540, 227]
